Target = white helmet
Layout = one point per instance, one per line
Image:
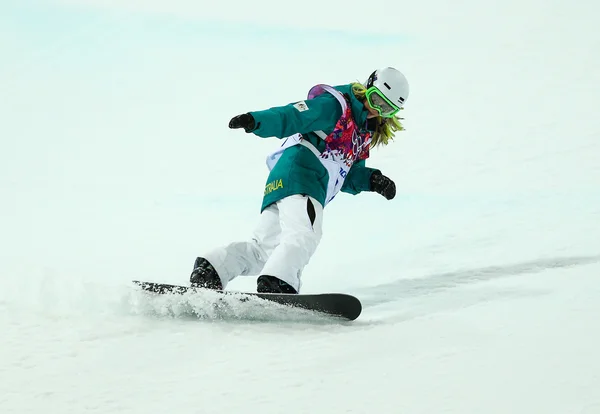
(392, 83)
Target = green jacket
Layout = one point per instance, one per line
(298, 171)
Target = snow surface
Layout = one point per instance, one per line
(480, 281)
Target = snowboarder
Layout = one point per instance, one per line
(327, 140)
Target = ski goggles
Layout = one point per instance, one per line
(380, 103)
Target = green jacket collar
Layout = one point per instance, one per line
(359, 112)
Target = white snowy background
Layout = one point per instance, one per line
(480, 280)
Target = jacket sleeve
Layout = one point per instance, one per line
(358, 178)
(317, 114)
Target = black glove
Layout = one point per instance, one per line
(383, 185)
(245, 121)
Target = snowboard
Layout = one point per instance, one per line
(340, 305)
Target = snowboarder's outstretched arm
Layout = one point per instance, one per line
(358, 178)
(362, 178)
(318, 114)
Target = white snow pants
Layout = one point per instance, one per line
(286, 237)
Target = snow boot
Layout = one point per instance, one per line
(270, 284)
(204, 275)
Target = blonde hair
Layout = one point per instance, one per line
(386, 127)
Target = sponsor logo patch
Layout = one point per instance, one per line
(301, 106)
